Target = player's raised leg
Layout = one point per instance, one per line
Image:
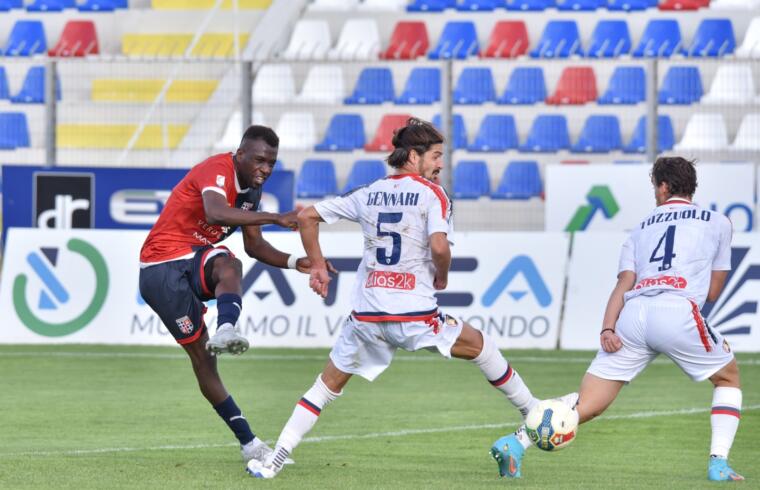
(225, 273)
(724, 419)
(326, 388)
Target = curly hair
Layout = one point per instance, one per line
(417, 135)
(679, 173)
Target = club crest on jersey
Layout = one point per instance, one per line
(220, 180)
(185, 325)
(246, 206)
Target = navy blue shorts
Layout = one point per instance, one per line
(176, 291)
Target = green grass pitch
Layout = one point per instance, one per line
(117, 417)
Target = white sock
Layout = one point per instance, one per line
(724, 419)
(304, 417)
(523, 438)
(500, 374)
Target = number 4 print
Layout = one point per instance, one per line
(667, 254)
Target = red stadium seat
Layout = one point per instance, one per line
(574, 162)
(384, 135)
(509, 39)
(577, 85)
(78, 39)
(683, 4)
(408, 41)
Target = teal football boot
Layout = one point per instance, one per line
(718, 470)
(508, 453)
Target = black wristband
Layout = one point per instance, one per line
(607, 330)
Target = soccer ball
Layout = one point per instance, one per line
(551, 425)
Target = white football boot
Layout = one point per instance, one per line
(258, 450)
(267, 469)
(571, 399)
(227, 339)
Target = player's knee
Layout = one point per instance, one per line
(727, 376)
(228, 270)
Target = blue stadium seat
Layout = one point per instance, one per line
(560, 39)
(497, 132)
(375, 86)
(579, 5)
(661, 38)
(665, 136)
(714, 37)
(548, 134)
(682, 86)
(316, 179)
(26, 39)
(6, 5)
(520, 180)
(345, 133)
(4, 91)
(610, 39)
(459, 130)
(459, 40)
(14, 132)
(46, 6)
(97, 6)
(422, 87)
(475, 86)
(478, 5)
(628, 5)
(627, 86)
(526, 86)
(529, 5)
(364, 172)
(471, 179)
(33, 89)
(600, 134)
(430, 5)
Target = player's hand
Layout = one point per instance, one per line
(288, 220)
(319, 279)
(610, 341)
(303, 264)
(440, 283)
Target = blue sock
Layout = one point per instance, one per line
(233, 417)
(228, 307)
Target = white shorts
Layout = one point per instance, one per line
(367, 349)
(667, 324)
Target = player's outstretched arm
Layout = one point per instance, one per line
(308, 226)
(609, 339)
(717, 281)
(257, 247)
(218, 212)
(441, 252)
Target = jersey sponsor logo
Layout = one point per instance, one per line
(676, 282)
(736, 307)
(600, 201)
(185, 325)
(524, 266)
(52, 293)
(391, 280)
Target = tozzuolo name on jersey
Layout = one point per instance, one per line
(667, 216)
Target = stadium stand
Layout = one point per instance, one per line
(333, 5)
(714, 37)
(665, 136)
(661, 38)
(627, 5)
(384, 134)
(750, 47)
(459, 40)
(529, 5)
(682, 85)
(408, 41)
(146, 90)
(4, 90)
(509, 39)
(732, 84)
(474, 86)
(577, 85)
(600, 134)
(359, 40)
(578, 5)
(316, 179)
(364, 172)
(627, 85)
(27, 38)
(704, 132)
(33, 89)
(748, 135)
(345, 133)
(116, 136)
(374, 86)
(274, 84)
(422, 87)
(497, 133)
(458, 130)
(548, 134)
(520, 180)
(78, 38)
(14, 131)
(610, 39)
(429, 5)
(560, 39)
(310, 40)
(471, 179)
(296, 131)
(526, 86)
(323, 85)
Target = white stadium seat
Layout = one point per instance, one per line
(750, 48)
(383, 5)
(296, 131)
(333, 5)
(704, 132)
(732, 85)
(734, 4)
(323, 85)
(274, 84)
(233, 132)
(310, 41)
(748, 136)
(359, 40)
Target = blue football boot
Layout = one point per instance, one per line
(718, 470)
(508, 453)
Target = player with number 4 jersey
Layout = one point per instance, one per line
(406, 224)
(674, 259)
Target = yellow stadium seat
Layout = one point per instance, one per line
(121, 90)
(210, 45)
(207, 4)
(116, 136)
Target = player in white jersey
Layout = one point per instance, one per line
(677, 257)
(406, 221)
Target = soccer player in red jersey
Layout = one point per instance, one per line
(180, 267)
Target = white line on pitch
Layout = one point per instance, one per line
(371, 435)
(298, 357)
